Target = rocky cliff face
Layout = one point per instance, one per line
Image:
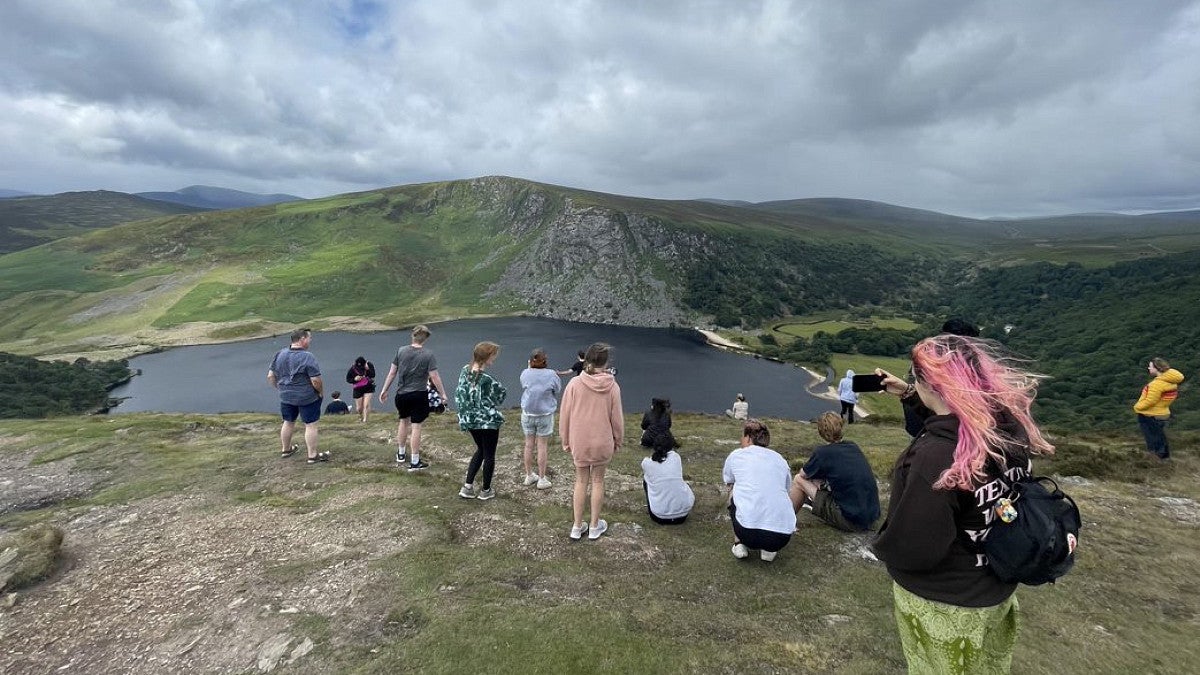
(586, 263)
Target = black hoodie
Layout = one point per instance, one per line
(932, 539)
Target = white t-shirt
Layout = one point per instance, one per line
(668, 495)
(761, 478)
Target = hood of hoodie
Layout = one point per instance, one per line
(1173, 376)
(601, 383)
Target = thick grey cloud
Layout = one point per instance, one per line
(970, 107)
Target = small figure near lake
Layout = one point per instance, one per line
(657, 421)
(575, 368)
(669, 499)
(336, 405)
(953, 613)
(1153, 407)
(740, 409)
(478, 398)
(361, 377)
(295, 373)
(592, 428)
(539, 401)
(837, 481)
(413, 368)
(847, 396)
(759, 504)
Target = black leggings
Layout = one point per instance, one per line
(485, 454)
(848, 411)
(661, 521)
(759, 540)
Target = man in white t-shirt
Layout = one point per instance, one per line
(759, 504)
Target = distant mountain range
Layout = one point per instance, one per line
(32, 220)
(216, 198)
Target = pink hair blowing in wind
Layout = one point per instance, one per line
(980, 386)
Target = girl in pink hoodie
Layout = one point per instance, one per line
(592, 427)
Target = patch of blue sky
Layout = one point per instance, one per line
(357, 19)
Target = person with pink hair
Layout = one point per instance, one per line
(953, 613)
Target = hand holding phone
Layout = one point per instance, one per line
(866, 383)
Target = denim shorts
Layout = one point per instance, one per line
(537, 425)
(308, 413)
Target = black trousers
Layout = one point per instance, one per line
(485, 455)
(848, 412)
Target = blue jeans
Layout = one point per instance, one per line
(1155, 431)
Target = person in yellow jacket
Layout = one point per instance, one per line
(1153, 408)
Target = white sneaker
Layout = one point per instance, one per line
(740, 551)
(467, 491)
(600, 528)
(577, 531)
(530, 479)
(767, 556)
(543, 483)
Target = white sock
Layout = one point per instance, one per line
(415, 458)
(400, 449)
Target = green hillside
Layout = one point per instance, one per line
(29, 221)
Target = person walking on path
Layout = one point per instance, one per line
(362, 377)
(759, 505)
(478, 398)
(539, 401)
(295, 373)
(413, 368)
(954, 615)
(592, 428)
(847, 396)
(837, 481)
(1153, 407)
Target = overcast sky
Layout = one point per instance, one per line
(1009, 107)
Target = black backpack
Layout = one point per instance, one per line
(1033, 537)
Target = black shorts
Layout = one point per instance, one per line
(414, 405)
(759, 540)
(362, 391)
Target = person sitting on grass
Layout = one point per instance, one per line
(656, 420)
(668, 498)
(759, 506)
(740, 409)
(837, 481)
(337, 406)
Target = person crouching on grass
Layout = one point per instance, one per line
(592, 427)
(478, 398)
(837, 481)
(759, 505)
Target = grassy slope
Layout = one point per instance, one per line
(497, 586)
(29, 221)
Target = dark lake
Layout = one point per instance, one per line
(650, 362)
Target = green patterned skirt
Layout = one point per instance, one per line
(938, 638)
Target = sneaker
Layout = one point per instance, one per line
(467, 491)
(486, 494)
(767, 556)
(401, 458)
(543, 483)
(530, 479)
(600, 528)
(577, 531)
(740, 551)
(420, 465)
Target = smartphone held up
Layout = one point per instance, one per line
(866, 383)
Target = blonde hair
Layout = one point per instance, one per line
(420, 333)
(829, 426)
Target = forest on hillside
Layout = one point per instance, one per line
(34, 388)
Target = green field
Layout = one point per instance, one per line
(202, 547)
(807, 327)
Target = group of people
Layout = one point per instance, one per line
(967, 406)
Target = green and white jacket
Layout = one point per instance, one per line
(478, 398)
